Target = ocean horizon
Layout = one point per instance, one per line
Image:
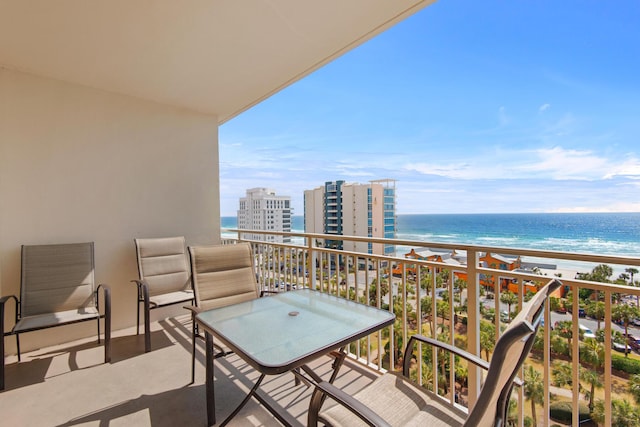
(592, 233)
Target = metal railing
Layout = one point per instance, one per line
(415, 288)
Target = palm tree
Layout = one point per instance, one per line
(425, 306)
(592, 352)
(595, 309)
(442, 307)
(625, 313)
(623, 414)
(633, 271)
(633, 387)
(487, 337)
(510, 299)
(564, 329)
(593, 379)
(533, 389)
(562, 373)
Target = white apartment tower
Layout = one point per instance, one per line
(367, 210)
(262, 210)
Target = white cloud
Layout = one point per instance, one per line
(544, 107)
(630, 169)
(559, 163)
(461, 170)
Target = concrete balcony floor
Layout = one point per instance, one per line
(69, 385)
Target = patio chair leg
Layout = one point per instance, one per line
(98, 321)
(17, 345)
(211, 400)
(2, 363)
(147, 322)
(2, 347)
(107, 325)
(138, 318)
(193, 349)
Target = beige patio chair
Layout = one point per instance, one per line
(57, 287)
(164, 278)
(222, 275)
(393, 400)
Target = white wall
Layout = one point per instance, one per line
(78, 164)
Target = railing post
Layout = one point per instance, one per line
(473, 324)
(311, 263)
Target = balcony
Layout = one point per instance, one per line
(69, 384)
(73, 387)
(355, 276)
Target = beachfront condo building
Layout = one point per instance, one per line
(340, 208)
(262, 209)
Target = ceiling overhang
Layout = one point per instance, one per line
(217, 57)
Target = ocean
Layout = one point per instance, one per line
(593, 233)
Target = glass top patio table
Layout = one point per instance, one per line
(277, 333)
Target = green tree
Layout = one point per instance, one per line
(373, 293)
(623, 414)
(592, 352)
(533, 389)
(564, 329)
(554, 304)
(601, 273)
(625, 313)
(426, 304)
(595, 309)
(592, 378)
(562, 373)
(487, 337)
(633, 387)
(510, 299)
(442, 307)
(631, 271)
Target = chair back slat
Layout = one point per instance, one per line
(162, 263)
(57, 278)
(510, 352)
(223, 274)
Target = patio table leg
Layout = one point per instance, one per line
(211, 399)
(253, 393)
(337, 363)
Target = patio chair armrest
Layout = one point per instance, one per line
(349, 402)
(193, 309)
(448, 347)
(143, 290)
(106, 291)
(3, 300)
(141, 283)
(264, 291)
(7, 298)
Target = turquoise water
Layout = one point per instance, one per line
(599, 233)
(590, 233)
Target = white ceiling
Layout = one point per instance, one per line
(213, 56)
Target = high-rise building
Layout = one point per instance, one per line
(262, 210)
(366, 210)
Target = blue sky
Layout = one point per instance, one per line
(473, 107)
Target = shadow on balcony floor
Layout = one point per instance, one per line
(68, 385)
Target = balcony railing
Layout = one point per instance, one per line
(418, 291)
